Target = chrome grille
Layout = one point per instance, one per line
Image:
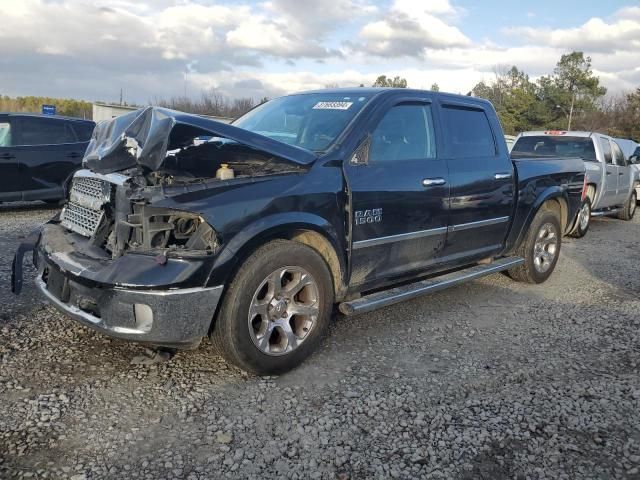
(84, 210)
(84, 221)
(93, 187)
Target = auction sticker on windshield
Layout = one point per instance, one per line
(332, 105)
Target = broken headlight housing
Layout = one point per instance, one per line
(156, 228)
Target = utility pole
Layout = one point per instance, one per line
(120, 95)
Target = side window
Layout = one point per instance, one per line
(619, 156)
(5, 134)
(606, 150)
(83, 130)
(404, 133)
(469, 132)
(44, 131)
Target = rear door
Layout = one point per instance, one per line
(624, 174)
(610, 187)
(482, 182)
(48, 152)
(9, 188)
(399, 194)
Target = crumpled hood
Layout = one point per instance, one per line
(144, 136)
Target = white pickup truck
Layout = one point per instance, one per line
(611, 179)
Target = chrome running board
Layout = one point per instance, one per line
(413, 290)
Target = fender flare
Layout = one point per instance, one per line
(259, 232)
(555, 192)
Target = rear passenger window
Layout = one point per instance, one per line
(45, 131)
(469, 132)
(404, 133)
(5, 134)
(606, 150)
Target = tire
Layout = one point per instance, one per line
(543, 237)
(629, 208)
(583, 221)
(262, 343)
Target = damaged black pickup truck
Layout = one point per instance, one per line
(359, 198)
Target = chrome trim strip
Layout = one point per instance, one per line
(481, 223)
(402, 236)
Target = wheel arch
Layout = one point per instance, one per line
(553, 197)
(308, 229)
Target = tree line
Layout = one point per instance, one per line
(31, 104)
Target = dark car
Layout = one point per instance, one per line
(39, 153)
(362, 198)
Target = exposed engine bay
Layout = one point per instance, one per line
(139, 159)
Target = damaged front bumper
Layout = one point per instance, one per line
(135, 297)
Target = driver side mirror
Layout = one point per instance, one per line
(634, 159)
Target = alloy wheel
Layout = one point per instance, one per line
(284, 310)
(545, 247)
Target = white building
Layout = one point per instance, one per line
(105, 111)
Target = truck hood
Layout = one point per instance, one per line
(144, 136)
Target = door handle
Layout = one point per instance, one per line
(620, 173)
(502, 176)
(7, 156)
(432, 182)
(74, 155)
(608, 173)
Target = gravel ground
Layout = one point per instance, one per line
(491, 380)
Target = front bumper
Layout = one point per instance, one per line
(154, 313)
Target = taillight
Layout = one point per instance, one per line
(584, 188)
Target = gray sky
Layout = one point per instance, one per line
(89, 50)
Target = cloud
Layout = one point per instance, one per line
(596, 35)
(411, 28)
(248, 48)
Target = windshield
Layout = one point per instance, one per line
(554, 146)
(312, 121)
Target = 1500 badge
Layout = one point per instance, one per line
(368, 216)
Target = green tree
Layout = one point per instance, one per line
(572, 89)
(514, 97)
(395, 82)
(435, 87)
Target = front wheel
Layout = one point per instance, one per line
(540, 248)
(584, 220)
(629, 208)
(276, 309)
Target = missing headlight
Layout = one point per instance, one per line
(160, 228)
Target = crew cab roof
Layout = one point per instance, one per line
(39, 115)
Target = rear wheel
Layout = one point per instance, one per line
(629, 208)
(276, 309)
(583, 221)
(540, 248)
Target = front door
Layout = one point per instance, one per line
(482, 183)
(399, 196)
